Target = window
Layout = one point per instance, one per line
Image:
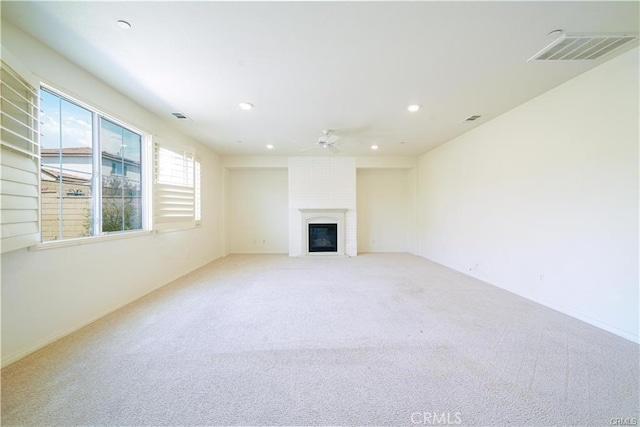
(19, 162)
(69, 171)
(91, 171)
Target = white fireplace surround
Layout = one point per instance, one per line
(322, 216)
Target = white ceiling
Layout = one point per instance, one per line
(306, 66)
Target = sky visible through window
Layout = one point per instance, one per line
(117, 140)
(75, 123)
(64, 124)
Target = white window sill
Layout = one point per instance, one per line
(87, 240)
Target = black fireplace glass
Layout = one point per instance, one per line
(323, 237)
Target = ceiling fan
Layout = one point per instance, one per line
(328, 141)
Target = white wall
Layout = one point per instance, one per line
(322, 183)
(385, 210)
(258, 211)
(263, 162)
(543, 200)
(49, 293)
(243, 222)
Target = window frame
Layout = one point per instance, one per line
(146, 169)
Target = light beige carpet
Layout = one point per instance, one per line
(374, 340)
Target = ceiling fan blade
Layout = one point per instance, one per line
(333, 149)
(332, 139)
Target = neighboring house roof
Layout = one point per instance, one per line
(77, 151)
(83, 152)
(53, 175)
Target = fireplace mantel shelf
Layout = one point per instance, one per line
(323, 210)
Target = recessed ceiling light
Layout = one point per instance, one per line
(246, 106)
(269, 146)
(124, 25)
(374, 147)
(413, 108)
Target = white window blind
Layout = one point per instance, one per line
(174, 192)
(19, 180)
(198, 201)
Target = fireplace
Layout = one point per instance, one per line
(322, 232)
(323, 237)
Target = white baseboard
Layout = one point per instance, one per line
(557, 307)
(6, 361)
(12, 358)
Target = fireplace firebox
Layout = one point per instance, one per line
(323, 237)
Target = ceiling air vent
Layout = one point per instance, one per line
(582, 47)
(180, 116)
(471, 119)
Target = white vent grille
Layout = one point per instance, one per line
(472, 118)
(582, 47)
